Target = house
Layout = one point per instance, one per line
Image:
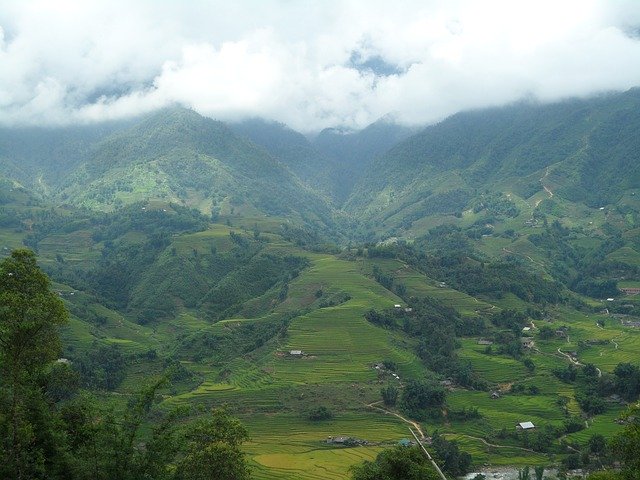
(495, 395)
(527, 342)
(525, 426)
(526, 329)
(631, 291)
(397, 305)
(338, 440)
(296, 353)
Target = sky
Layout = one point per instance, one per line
(308, 64)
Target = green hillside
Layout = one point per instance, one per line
(576, 149)
(474, 271)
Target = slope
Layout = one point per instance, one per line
(177, 155)
(577, 149)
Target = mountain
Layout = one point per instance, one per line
(40, 157)
(296, 152)
(582, 151)
(354, 151)
(172, 155)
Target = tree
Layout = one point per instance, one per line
(212, 449)
(320, 413)
(626, 445)
(400, 463)
(30, 314)
(419, 396)
(389, 395)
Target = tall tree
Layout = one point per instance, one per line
(30, 314)
(212, 449)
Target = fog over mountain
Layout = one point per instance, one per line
(310, 65)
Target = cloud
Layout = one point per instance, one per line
(308, 64)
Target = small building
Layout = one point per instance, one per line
(525, 426)
(561, 333)
(405, 442)
(630, 291)
(397, 305)
(484, 341)
(527, 342)
(495, 395)
(526, 329)
(408, 310)
(295, 353)
(610, 299)
(338, 440)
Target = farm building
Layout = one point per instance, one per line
(525, 426)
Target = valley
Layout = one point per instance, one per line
(482, 256)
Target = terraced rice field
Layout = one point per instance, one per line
(507, 411)
(494, 368)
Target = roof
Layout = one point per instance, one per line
(295, 352)
(526, 425)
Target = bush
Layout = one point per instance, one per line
(320, 413)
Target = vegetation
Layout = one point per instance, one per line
(53, 430)
(221, 272)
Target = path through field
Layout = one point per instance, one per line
(576, 362)
(415, 425)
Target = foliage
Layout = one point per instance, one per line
(421, 397)
(389, 395)
(29, 316)
(320, 413)
(400, 463)
(451, 458)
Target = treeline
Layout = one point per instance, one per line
(592, 389)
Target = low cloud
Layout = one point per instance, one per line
(308, 64)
